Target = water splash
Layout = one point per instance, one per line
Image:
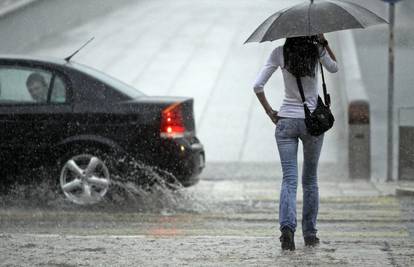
(138, 187)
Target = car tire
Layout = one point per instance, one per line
(125, 174)
(84, 174)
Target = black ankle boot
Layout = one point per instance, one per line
(311, 241)
(287, 239)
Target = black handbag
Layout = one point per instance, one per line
(321, 119)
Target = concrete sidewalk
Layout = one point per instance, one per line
(220, 223)
(269, 189)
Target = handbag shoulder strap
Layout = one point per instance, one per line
(302, 95)
(326, 96)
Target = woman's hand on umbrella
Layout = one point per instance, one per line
(273, 115)
(322, 40)
(321, 37)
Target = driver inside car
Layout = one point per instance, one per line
(37, 87)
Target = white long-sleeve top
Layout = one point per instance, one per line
(292, 105)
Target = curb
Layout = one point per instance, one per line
(14, 7)
(407, 191)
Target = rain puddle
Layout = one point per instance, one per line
(140, 188)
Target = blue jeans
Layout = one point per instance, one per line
(288, 133)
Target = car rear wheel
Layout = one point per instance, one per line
(89, 175)
(85, 178)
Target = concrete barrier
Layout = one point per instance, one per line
(405, 143)
(356, 104)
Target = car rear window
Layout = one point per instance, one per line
(112, 82)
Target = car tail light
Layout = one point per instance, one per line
(172, 124)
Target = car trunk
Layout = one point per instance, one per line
(152, 108)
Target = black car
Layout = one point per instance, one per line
(63, 115)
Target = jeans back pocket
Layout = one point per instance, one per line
(285, 127)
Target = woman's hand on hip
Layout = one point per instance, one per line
(270, 112)
(273, 115)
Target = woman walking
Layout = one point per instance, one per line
(298, 57)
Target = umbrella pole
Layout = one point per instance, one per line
(390, 148)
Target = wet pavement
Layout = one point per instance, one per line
(215, 223)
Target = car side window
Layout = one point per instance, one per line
(23, 84)
(58, 94)
(30, 85)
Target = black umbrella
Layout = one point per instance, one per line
(314, 17)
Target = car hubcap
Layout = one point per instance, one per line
(84, 179)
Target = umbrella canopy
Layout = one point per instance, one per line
(314, 17)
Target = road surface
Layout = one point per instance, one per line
(215, 223)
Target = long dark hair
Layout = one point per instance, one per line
(301, 55)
